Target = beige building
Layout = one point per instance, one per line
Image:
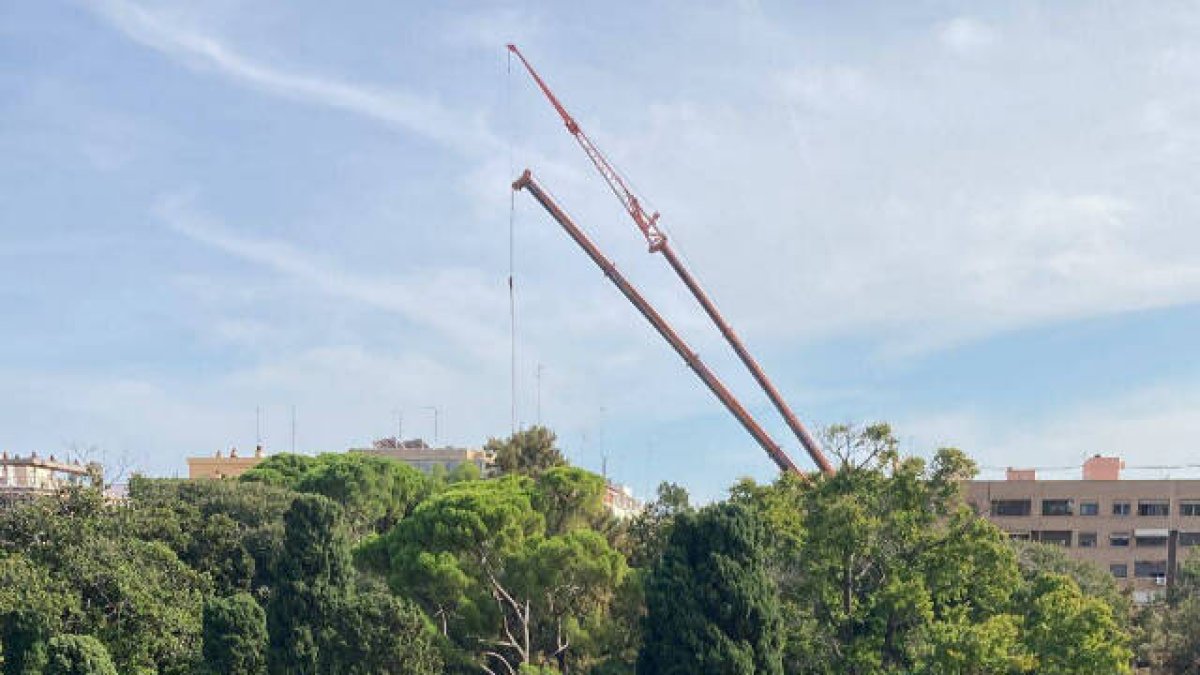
(1138, 530)
(223, 466)
(31, 476)
(419, 455)
(619, 500)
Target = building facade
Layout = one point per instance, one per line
(1137, 530)
(619, 501)
(223, 466)
(32, 476)
(419, 455)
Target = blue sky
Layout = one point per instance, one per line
(977, 223)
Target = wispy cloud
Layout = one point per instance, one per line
(964, 35)
(1155, 425)
(407, 111)
(455, 302)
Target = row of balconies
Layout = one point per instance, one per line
(1156, 508)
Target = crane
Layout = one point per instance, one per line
(714, 384)
(658, 243)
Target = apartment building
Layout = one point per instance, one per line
(619, 500)
(420, 455)
(1138, 530)
(220, 465)
(33, 476)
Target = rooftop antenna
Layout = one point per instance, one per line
(258, 425)
(539, 393)
(399, 426)
(436, 413)
(293, 428)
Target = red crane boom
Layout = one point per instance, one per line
(526, 182)
(657, 240)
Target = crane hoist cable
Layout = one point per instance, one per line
(657, 240)
(526, 182)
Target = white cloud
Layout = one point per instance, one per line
(877, 191)
(823, 89)
(458, 303)
(1154, 425)
(411, 112)
(965, 35)
(491, 29)
(344, 395)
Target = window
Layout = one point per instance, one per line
(1055, 537)
(1189, 508)
(1154, 541)
(1189, 538)
(1089, 508)
(1087, 540)
(1118, 539)
(1149, 569)
(1119, 570)
(1018, 536)
(1154, 507)
(1011, 507)
(1120, 508)
(1057, 507)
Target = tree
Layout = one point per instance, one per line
(1071, 633)
(32, 609)
(134, 595)
(312, 574)
(319, 622)
(1037, 559)
(235, 635)
(78, 655)
(374, 492)
(446, 553)
(1168, 629)
(882, 568)
(478, 559)
(649, 530)
(229, 530)
(569, 498)
(710, 604)
(564, 580)
(280, 470)
(529, 451)
(379, 633)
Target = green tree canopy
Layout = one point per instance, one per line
(229, 530)
(710, 605)
(88, 549)
(529, 451)
(479, 559)
(235, 636)
(32, 609)
(1071, 633)
(374, 492)
(78, 655)
(569, 498)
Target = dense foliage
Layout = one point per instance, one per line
(348, 563)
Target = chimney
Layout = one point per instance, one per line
(1020, 474)
(1102, 468)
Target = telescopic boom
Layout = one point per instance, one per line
(526, 182)
(657, 240)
